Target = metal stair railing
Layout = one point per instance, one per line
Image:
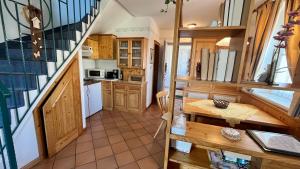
(23, 78)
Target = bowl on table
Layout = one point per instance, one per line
(222, 104)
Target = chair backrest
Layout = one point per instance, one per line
(162, 100)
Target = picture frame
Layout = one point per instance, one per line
(151, 55)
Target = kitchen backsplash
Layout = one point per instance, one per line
(88, 64)
(108, 65)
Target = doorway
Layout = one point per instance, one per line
(155, 70)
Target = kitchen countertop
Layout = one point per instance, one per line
(92, 81)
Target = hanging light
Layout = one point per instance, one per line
(225, 42)
(191, 25)
(167, 2)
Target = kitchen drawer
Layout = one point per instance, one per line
(119, 86)
(134, 87)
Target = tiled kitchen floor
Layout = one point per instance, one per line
(114, 140)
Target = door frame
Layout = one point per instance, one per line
(156, 59)
(38, 114)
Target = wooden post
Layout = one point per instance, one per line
(173, 77)
(243, 55)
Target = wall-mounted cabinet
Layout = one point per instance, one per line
(107, 46)
(91, 42)
(104, 46)
(132, 52)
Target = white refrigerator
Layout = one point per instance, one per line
(93, 98)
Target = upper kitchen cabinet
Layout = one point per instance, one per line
(132, 52)
(107, 46)
(93, 43)
(104, 46)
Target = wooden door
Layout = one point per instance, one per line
(62, 112)
(133, 100)
(120, 97)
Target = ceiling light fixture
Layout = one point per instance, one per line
(191, 25)
(225, 42)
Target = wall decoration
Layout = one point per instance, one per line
(151, 56)
(33, 16)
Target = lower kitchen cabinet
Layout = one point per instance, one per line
(129, 97)
(134, 101)
(107, 95)
(119, 97)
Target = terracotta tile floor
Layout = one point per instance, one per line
(114, 140)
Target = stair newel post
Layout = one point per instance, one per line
(4, 113)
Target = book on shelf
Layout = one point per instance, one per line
(211, 64)
(296, 113)
(230, 15)
(230, 65)
(237, 12)
(216, 66)
(221, 12)
(222, 64)
(233, 12)
(226, 12)
(204, 63)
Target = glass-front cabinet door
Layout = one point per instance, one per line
(136, 53)
(123, 53)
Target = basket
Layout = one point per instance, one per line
(222, 104)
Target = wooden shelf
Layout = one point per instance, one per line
(282, 86)
(193, 80)
(196, 158)
(210, 136)
(211, 32)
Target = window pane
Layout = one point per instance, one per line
(282, 74)
(280, 97)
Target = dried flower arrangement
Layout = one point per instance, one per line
(282, 37)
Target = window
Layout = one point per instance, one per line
(282, 74)
(279, 97)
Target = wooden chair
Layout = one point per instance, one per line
(162, 101)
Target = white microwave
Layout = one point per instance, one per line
(95, 73)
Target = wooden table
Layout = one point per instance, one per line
(209, 137)
(260, 117)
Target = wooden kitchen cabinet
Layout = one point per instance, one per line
(132, 52)
(107, 95)
(134, 100)
(104, 46)
(107, 46)
(120, 97)
(129, 97)
(91, 42)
